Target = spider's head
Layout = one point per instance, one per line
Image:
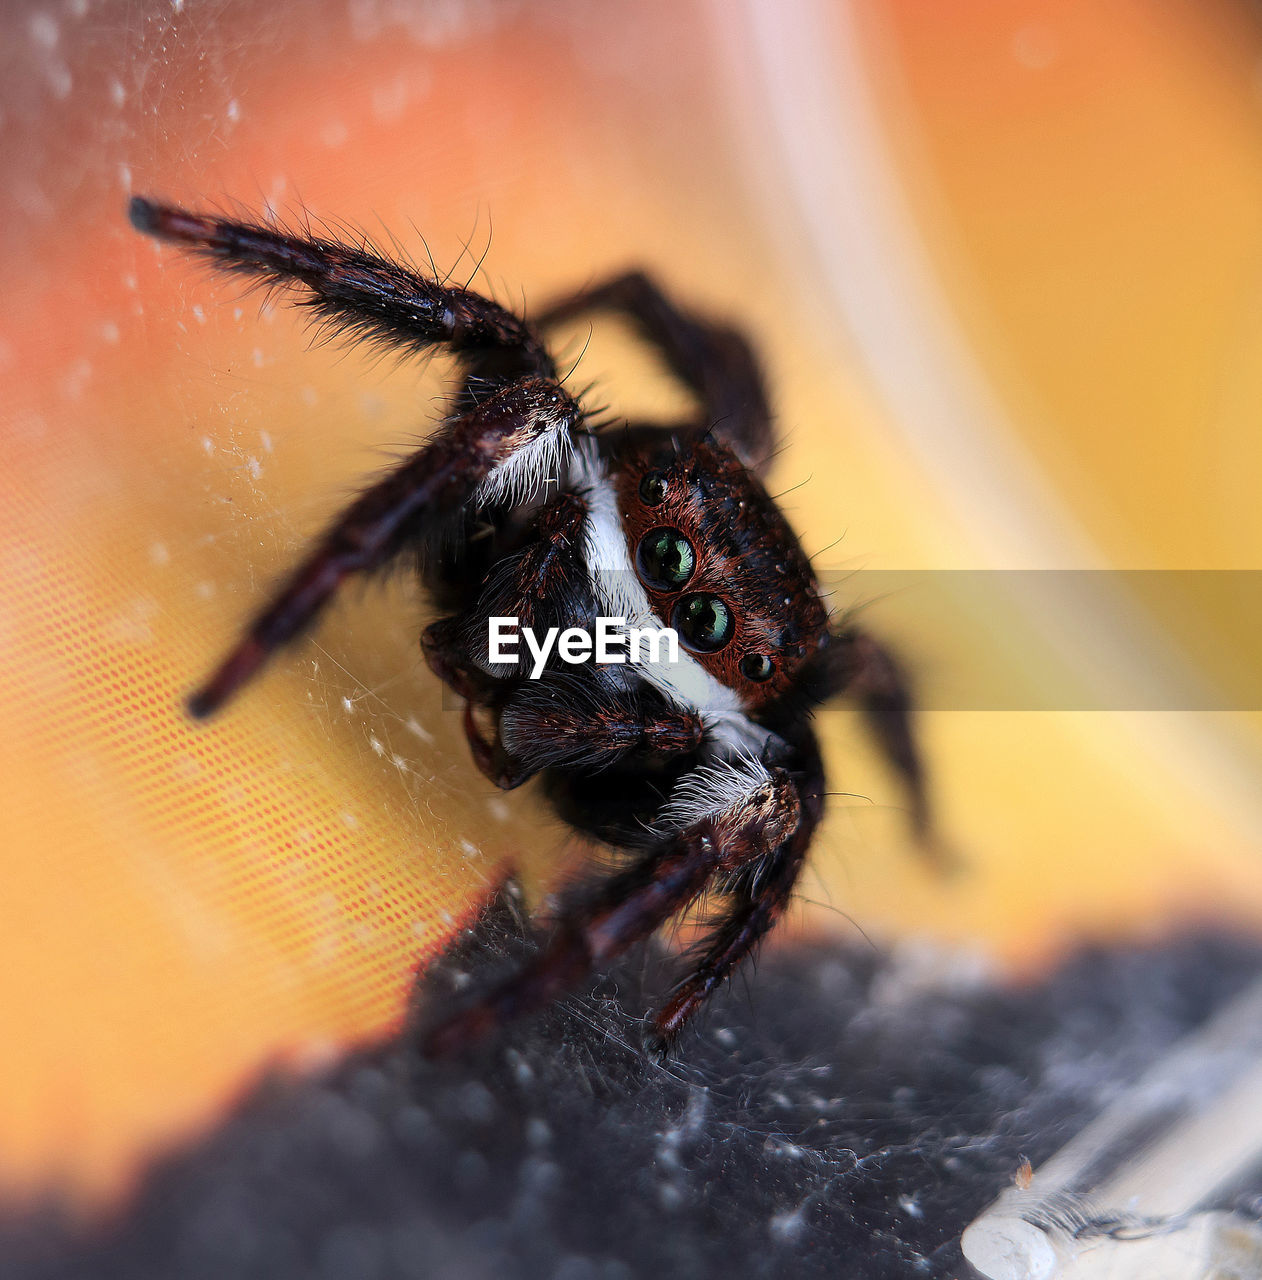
(721, 565)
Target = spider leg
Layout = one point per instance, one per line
(752, 913)
(546, 584)
(718, 819)
(444, 650)
(359, 289)
(571, 722)
(759, 895)
(715, 361)
(867, 670)
(515, 727)
(543, 584)
(467, 460)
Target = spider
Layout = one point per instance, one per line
(703, 772)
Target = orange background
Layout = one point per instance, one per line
(1003, 261)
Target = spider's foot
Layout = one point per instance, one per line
(235, 670)
(168, 223)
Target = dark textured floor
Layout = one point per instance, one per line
(840, 1114)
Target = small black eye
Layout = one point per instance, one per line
(665, 559)
(653, 488)
(757, 666)
(704, 622)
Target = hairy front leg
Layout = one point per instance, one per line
(438, 480)
(357, 289)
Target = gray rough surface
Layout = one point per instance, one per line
(842, 1113)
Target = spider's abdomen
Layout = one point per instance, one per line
(720, 564)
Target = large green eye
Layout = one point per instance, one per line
(665, 559)
(704, 622)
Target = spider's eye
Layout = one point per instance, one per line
(757, 666)
(704, 622)
(653, 488)
(665, 559)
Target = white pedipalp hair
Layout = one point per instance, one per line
(526, 472)
(713, 789)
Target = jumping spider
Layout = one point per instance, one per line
(704, 772)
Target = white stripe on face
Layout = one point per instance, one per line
(620, 594)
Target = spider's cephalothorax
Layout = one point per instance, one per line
(703, 770)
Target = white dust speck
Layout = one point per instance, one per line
(44, 30)
(130, 282)
(124, 181)
(910, 1205)
(76, 380)
(350, 820)
(177, 6)
(787, 1225)
(159, 555)
(470, 849)
(254, 467)
(208, 446)
(389, 100)
(783, 1148)
(238, 312)
(418, 929)
(335, 134)
(1035, 47)
(413, 726)
(232, 112)
(371, 405)
(347, 705)
(265, 439)
(199, 313)
(498, 810)
(187, 767)
(118, 95)
(60, 81)
(257, 356)
(110, 333)
(376, 744)
(399, 763)
(670, 1196)
(131, 625)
